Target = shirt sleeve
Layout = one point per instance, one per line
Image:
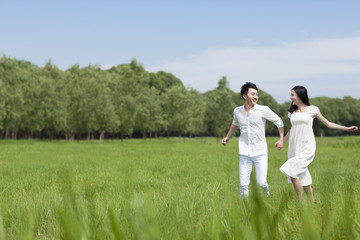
(313, 110)
(273, 117)
(235, 119)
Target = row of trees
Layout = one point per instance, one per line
(127, 101)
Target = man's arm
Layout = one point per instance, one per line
(274, 118)
(226, 139)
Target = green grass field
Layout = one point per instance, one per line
(167, 189)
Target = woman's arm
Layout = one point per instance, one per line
(279, 144)
(286, 138)
(334, 125)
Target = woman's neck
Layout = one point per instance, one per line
(302, 107)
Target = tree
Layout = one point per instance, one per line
(52, 96)
(76, 101)
(100, 108)
(148, 112)
(30, 121)
(176, 114)
(219, 109)
(128, 82)
(197, 108)
(12, 78)
(164, 80)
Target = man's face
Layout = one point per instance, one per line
(251, 97)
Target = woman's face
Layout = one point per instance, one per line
(294, 98)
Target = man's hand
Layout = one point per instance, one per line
(225, 140)
(279, 144)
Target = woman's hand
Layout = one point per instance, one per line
(352, 129)
(279, 144)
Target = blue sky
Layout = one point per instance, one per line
(275, 44)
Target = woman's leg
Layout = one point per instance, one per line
(297, 187)
(309, 192)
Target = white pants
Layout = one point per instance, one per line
(245, 168)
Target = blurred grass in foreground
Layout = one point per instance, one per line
(166, 189)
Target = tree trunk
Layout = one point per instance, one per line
(51, 135)
(322, 134)
(144, 136)
(101, 138)
(156, 135)
(88, 135)
(7, 133)
(14, 134)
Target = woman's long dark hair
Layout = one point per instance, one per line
(301, 92)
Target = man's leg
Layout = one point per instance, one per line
(245, 167)
(261, 166)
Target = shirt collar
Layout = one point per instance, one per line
(254, 107)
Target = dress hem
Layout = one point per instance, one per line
(289, 180)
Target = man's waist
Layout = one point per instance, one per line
(249, 153)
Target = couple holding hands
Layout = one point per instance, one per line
(251, 119)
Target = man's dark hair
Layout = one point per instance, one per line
(245, 88)
(301, 92)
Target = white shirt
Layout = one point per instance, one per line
(252, 141)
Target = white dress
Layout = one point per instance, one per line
(302, 146)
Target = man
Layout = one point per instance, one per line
(251, 119)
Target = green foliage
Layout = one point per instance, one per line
(219, 109)
(196, 113)
(149, 116)
(163, 80)
(127, 101)
(176, 105)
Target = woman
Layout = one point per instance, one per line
(301, 149)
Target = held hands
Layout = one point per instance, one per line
(279, 145)
(352, 129)
(224, 141)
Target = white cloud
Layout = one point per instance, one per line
(276, 69)
(106, 66)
